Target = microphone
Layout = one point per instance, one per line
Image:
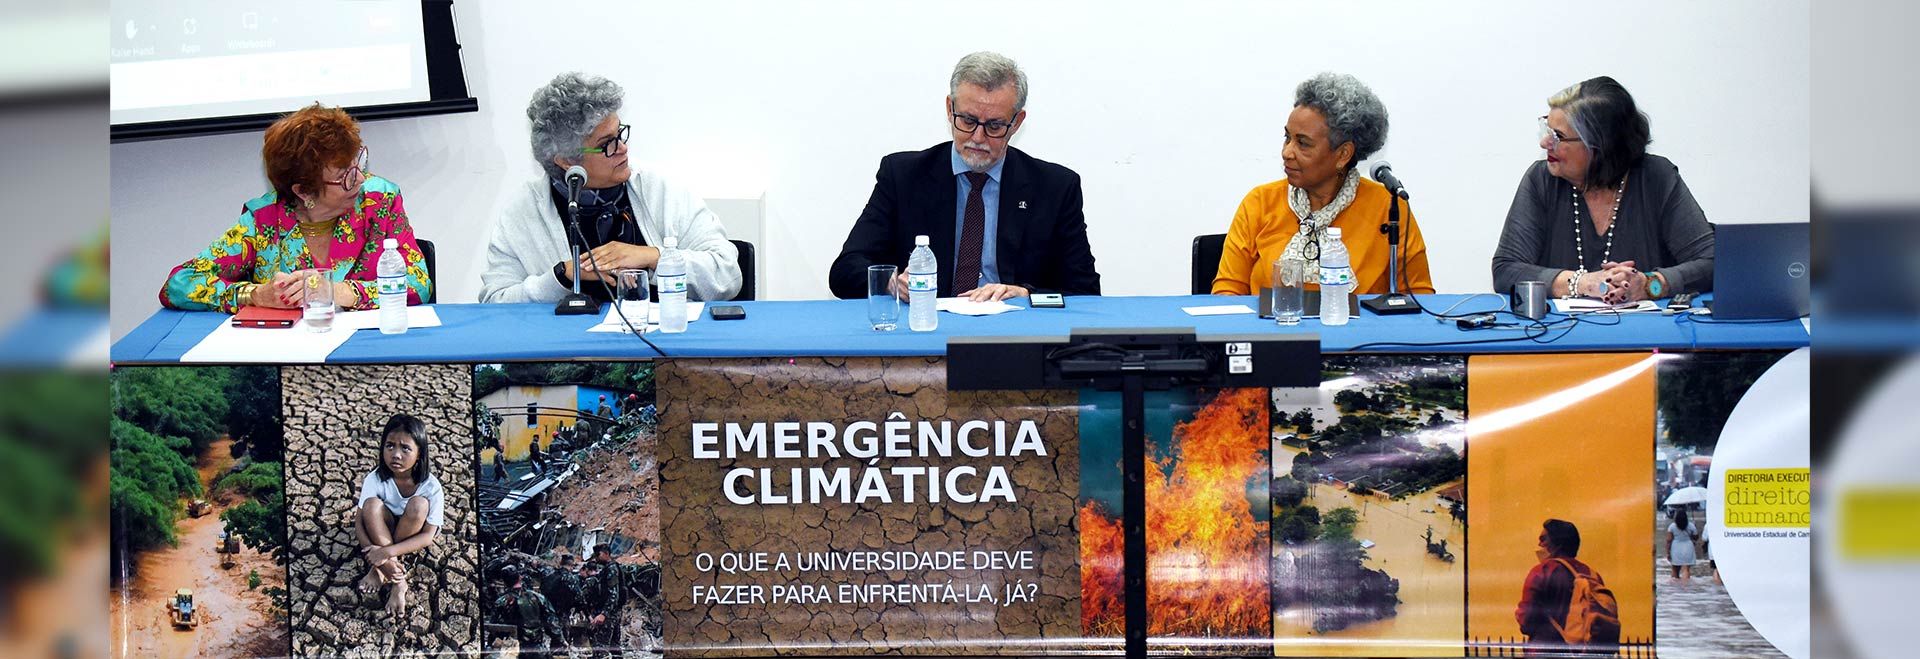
(577, 178)
(1393, 302)
(1383, 172)
(576, 303)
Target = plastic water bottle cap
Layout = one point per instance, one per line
(390, 243)
(920, 241)
(670, 242)
(1333, 232)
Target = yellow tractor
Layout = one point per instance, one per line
(180, 610)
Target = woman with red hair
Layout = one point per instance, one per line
(325, 215)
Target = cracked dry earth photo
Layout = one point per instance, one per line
(334, 415)
(865, 562)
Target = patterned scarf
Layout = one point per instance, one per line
(1313, 224)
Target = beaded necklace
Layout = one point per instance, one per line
(1579, 243)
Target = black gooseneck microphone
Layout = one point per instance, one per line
(1393, 302)
(575, 303)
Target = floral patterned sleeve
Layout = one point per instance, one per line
(390, 221)
(211, 280)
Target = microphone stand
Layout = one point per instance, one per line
(577, 239)
(575, 303)
(1393, 302)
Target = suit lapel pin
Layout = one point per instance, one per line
(1023, 205)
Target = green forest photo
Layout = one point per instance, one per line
(198, 512)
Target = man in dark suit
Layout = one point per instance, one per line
(1001, 223)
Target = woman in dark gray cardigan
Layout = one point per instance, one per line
(1600, 217)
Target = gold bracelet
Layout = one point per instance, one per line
(244, 294)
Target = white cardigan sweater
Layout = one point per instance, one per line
(530, 238)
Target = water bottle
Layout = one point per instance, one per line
(923, 280)
(671, 278)
(1336, 279)
(392, 274)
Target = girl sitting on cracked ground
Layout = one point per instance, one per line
(400, 509)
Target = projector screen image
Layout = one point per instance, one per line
(178, 61)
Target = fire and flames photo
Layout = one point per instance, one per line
(1369, 509)
(1207, 521)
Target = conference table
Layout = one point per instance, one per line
(839, 328)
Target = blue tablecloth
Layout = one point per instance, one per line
(523, 332)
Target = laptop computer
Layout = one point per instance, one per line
(1760, 271)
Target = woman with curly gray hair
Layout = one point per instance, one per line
(1336, 122)
(626, 214)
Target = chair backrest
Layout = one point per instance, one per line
(1206, 260)
(426, 258)
(746, 269)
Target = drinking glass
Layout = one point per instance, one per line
(630, 292)
(317, 307)
(1289, 291)
(883, 309)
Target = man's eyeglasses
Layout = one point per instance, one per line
(352, 176)
(1553, 137)
(967, 124)
(613, 142)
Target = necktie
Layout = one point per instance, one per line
(973, 233)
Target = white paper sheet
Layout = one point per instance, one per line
(286, 345)
(966, 307)
(417, 317)
(611, 322)
(1217, 310)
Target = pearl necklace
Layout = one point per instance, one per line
(1579, 244)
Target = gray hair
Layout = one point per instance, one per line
(990, 71)
(563, 113)
(1353, 113)
(1607, 121)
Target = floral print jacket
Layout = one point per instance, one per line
(266, 240)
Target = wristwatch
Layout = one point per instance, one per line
(1654, 287)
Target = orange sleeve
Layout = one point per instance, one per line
(1414, 254)
(1235, 274)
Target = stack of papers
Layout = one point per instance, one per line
(966, 307)
(293, 345)
(1589, 305)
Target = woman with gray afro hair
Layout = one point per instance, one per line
(1336, 122)
(626, 215)
(564, 112)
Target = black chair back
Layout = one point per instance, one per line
(426, 259)
(746, 269)
(1206, 260)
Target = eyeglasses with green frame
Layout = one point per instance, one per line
(967, 123)
(612, 144)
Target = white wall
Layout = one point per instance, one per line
(1169, 111)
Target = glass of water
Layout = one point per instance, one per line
(883, 308)
(317, 308)
(1289, 290)
(630, 288)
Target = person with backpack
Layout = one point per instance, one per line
(1565, 606)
